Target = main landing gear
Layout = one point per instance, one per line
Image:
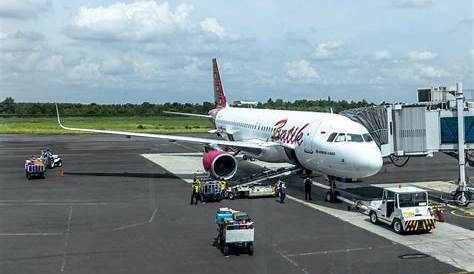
(332, 194)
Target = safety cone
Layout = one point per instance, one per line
(61, 171)
(440, 214)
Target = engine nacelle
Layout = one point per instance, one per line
(219, 164)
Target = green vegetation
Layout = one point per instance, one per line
(35, 125)
(40, 118)
(9, 107)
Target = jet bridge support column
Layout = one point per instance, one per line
(461, 197)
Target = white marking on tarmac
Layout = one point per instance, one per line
(180, 164)
(32, 234)
(346, 250)
(292, 262)
(153, 215)
(443, 243)
(66, 240)
(130, 225)
(440, 186)
(54, 204)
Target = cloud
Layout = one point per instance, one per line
(382, 55)
(421, 55)
(116, 66)
(211, 25)
(19, 41)
(430, 72)
(23, 9)
(327, 50)
(138, 21)
(412, 4)
(301, 69)
(472, 53)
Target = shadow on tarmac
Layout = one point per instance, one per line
(166, 175)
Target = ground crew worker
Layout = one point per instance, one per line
(282, 190)
(307, 188)
(222, 186)
(196, 191)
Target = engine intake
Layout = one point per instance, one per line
(219, 164)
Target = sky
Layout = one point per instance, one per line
(107, 51)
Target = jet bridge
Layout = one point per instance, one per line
(432, 125)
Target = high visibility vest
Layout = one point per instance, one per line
(196, 187)
(222, 185)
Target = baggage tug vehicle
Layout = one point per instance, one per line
(406, 209)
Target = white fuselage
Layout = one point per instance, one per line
(324, 142)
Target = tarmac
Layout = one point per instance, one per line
(116, 211)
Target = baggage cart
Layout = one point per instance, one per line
(236, 231)
(34, 168)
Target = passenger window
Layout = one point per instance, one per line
(340, 138)
(332, 136)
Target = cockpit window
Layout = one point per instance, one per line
(340, 138)
(355, 138)
(367, 137)
(332, 136)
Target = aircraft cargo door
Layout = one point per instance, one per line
(309, 137)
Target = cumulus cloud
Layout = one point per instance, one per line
(412, 4)
(138, 21)
(382, 55)
(212, 26)
(301, 69)
(327, 50)
(23, 9)
(421, 55)
(430, 72)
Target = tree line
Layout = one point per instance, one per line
(8, 107)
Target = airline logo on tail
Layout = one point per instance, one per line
(219, 95)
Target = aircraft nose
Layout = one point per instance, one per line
(370, 162)
(373, 162)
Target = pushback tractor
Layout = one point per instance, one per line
(405, 209)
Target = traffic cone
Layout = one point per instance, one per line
(61, 171)
(441, 216)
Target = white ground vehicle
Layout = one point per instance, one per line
(252, 191)
(404, 208)
(51, 160)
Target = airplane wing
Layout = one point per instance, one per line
(235, 144)
(188, 114)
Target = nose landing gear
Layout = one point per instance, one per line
(332, 194)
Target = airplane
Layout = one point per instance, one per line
(328, 143)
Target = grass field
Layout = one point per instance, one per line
(135, 124)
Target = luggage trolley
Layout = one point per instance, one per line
(235, 230)
(34, 168)
(210, 191)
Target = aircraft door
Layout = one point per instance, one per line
(308, 141)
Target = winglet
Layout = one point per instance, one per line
(57, 113)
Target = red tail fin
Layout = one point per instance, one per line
(219, 96)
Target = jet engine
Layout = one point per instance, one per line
(219, 164)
